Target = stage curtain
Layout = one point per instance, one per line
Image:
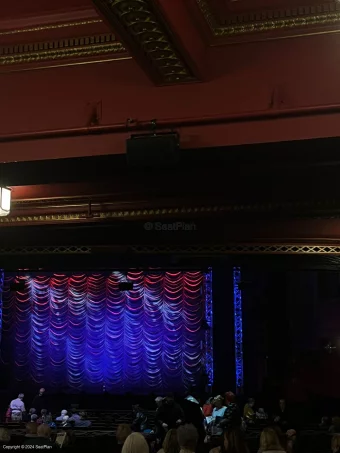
(81, 333)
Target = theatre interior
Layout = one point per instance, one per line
(170, 218)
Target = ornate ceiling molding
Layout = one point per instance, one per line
(324, 14)
(59, 26)
(141, 28)
(90, 46)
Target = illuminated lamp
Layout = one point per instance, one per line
(5, 201)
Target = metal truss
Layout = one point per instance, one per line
(247, 249)
(52, 250)
(209, 356)
(238, 330)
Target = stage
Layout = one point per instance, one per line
(138, 332)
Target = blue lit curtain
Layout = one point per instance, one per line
(81, 333)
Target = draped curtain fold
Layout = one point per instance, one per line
(82, 333)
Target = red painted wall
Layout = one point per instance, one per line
(245, 81)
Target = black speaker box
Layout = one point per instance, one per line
(153, 151)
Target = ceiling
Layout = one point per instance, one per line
(153, 32)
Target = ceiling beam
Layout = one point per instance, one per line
(143, 30)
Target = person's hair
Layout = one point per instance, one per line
(336, 442)
(31, 428)
(236, 442)
(44, 431)
(5, 435)
(170, 444)
(123, 431)
(281, 436)
(230, 397)
(21, 396)
(43, 412)
(32, 411)
(336, 421)
(135, 443)
(34, 417)
(187, 437)
(269, 440)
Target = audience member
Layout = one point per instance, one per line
(233, 442)
(283, 438)
(39, 401)
(135, 443)
(140, 419)
(17, 408)
(43, 438)
(336, 444)
(193, 414)
(335, 427)
(214, 422)
(5, 438)
(291, 439)
(170, 414)
(79, 420)
(65, 422)
(248, 411)
(282, 415)
(269, 442)
(170, 444)
(187, 437)
(159, 401)
(8, 415)
(232, 416)
(62, 415)
(27, 417)
(31, 429)
(122, 433)
(208, 407)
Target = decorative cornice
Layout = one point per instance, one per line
(271, 20)
(144, 32)
(62, 49)
(76, 209)
(243, 249)
(59, 26)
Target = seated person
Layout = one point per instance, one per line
(248, 411)
(31, 429)
(79, 420)
(122, 433)
(213, 426)
(335, 427)
(42, 439)
(261, 415)
(232, 416)
(140, 419)
(65, 423)
(5, 438)
(208, 407)
(336, 444)
(62, 415)
(8, 415)
(27, 417)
